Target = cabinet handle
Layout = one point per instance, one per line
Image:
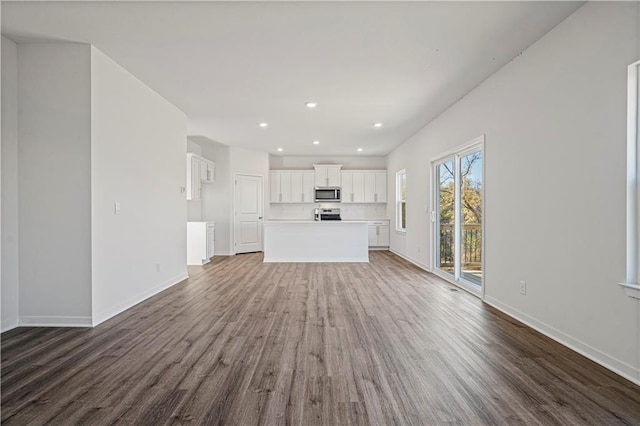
(302, 197)
(327, 181)
(352, 197)
(375, 197)
(280, 198)
(377, 230)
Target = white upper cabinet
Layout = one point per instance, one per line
(275, 196)
(199, 171)
(308, 194)
(352, 186)
(327, 175)
(381, 187)
(364, 186)
(291, 186)
(358, 186)
(375, 187)
(285, 187)
(347, 187)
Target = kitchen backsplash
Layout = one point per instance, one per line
(347, 211)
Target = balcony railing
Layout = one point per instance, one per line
(471, 250)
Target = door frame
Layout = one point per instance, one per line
(233, 211)
(473, 145)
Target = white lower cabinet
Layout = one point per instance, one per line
(211, 238)
(379, 234)
(200, 242)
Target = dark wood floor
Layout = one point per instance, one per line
(242, 342)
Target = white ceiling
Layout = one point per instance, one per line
(231, 65)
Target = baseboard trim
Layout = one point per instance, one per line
(8, 324)
(224, 253)
(38, 321)
(129, 303)
(621, 368)
(378, 248)
(408, 259)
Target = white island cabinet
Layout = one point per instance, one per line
(200, 242)
(311, 241)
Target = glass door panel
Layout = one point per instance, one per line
(445, 211)
(457, 217)
(470, 215)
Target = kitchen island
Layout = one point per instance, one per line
(316, 241)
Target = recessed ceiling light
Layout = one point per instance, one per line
(316, 142)
(263, 124)
(280, 149)
(377, 125)
(359, 149)
(311, 105)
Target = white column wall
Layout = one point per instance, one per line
(9, 184)
(54, 161)
(138, 159)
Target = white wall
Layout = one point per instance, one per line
(348, 162)
(138, 159)
(217, 197)
(555, 125)
(54, 127)
(9, 184)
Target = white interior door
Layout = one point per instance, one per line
(248, 213)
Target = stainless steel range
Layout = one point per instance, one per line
(330, 214)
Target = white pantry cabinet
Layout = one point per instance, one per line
(199, 171)
(291, 186)
(327, 175)
(379, 234)
(201, 238)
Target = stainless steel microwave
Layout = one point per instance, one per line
(327, 194)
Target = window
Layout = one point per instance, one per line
(401, 200)
(457, 216)
(632, 282)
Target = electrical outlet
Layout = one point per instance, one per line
(523, 287)
(157, 267)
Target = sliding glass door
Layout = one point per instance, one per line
(445, 259)
(458, 217)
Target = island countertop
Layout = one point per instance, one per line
(316, 241)
(272, 221)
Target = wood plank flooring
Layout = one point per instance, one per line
(247, 343)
